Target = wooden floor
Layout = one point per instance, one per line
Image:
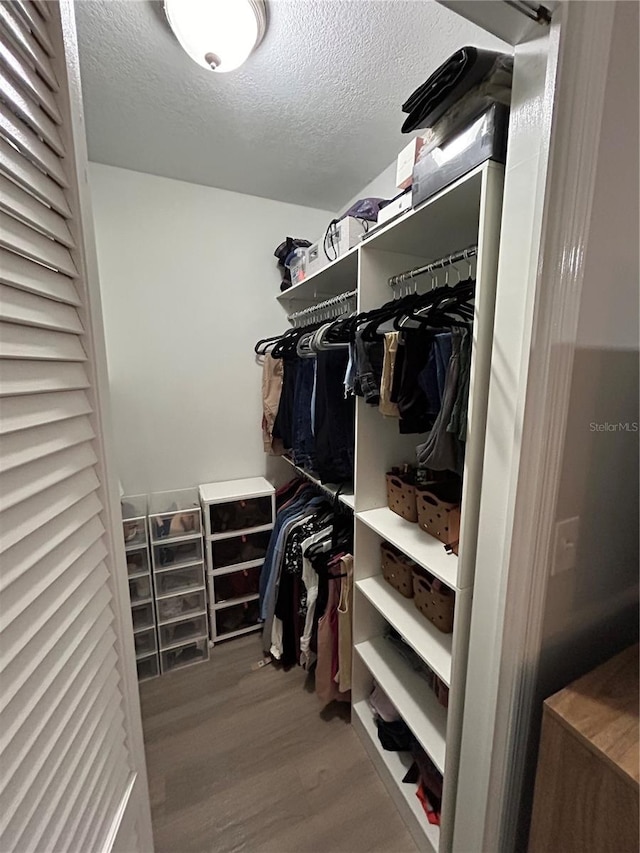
(244, 761)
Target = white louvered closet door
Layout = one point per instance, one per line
(72, 774)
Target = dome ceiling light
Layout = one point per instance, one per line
(218, 34)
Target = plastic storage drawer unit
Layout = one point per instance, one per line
(172, 556)
(179, 606)
(193, 652)
(179, 580)
(239, 549)
(237, 584)
(147, 667)
(240, 514)
(134, 520)
(138, 561)
(236, 618)
(142, 616)
(176, 633)
(174, 515)
(145, 642)
(140, 589)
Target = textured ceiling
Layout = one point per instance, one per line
(311, 117)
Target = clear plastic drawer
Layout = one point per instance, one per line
(180, 632)
(240, 514)
(194, 652)
(138, 561)
(173, 515)
(180, 554)
(179, 580)
(175, 525)
(237, 617)
(145, 641)
(142, 616)
(147, 667)
(134, 520)
(237, 584)
(179, 606)
(240, 549)
(140, 589)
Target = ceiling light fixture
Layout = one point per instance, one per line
(218, 34)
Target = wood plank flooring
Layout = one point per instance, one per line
(243, 761)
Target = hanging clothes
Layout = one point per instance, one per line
(345, 624)
(327, 666)
(443, 451)
(272, 373)
(387, 406)
(334, 419)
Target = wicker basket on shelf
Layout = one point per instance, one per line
(434, 600)
(438, 507)
(401, 494)
(397, 569)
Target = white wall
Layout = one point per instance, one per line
(382, 186)
(188, 283)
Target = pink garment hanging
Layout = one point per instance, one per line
(327, 665)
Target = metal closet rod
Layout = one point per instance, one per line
(441, 263)
(328, 303)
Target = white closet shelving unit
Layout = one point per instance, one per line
(143, 614)
(464, 214)
(238, 520)
(175, 533)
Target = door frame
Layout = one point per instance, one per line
(519, 502)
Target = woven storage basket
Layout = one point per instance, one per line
(439, 512)
(401, 497)
(397, 569)
(434, 600)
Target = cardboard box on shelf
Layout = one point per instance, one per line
(406, 161)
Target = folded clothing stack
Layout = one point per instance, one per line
(458, 92)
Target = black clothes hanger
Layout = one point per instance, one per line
(262, 347)
(447, 306)
(374, 318)
(289, 341)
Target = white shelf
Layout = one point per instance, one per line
(439, 225)
(347, 498)
(245, 531)
(414, 542)
(232, 490)
(336, 277)
(415, 700)
(392, 767)
(432, 645)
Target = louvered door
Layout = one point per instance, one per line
(71, 761)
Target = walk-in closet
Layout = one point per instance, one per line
(304, 371)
